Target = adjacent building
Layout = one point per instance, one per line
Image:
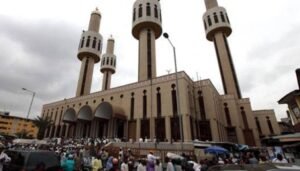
(292, 99)
(148, 108)
(11, 125)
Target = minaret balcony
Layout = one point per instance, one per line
(215, 20)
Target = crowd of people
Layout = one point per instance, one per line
(92, 155)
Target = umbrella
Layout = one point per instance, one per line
(215, 150)
(174, 156)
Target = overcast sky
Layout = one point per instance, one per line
(39, 40)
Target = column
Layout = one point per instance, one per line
(214, 130)
(66, 131)
(186, 128)
(152, 128)
(168, 128)
(138, 129)
(55, 130)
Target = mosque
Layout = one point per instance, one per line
(169, 108)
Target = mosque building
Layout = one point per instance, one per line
(150, 107)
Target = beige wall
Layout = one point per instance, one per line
(11, 125)
(262, 118)
(189, 103)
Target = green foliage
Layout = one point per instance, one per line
(42, 124)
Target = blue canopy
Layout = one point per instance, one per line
(216, 150)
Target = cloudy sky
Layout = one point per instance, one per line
(39, 39)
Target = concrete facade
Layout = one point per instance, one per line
(148, 108)
(11, 125)
(292, 99)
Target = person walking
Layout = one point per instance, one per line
(279, 159)
(142, 165)
(4, 158)
(115, 163)
(96, 163)
(69, 163)
(170, 166)
(124, 165)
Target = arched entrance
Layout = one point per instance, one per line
(110, 121)
(83, 127)
(69, 117)
(103, 114)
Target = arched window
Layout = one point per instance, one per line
(222, 16)
(158, 101)
(132, 106)
(216, 18)
(244, 117)
(145, 104)
(149, 55)
(270, 125)
(107, 61)
(227, 114)
(209, 20)
(84, 76)
(140, 11)
(133, 15)
(82, 42)
(99, 45)
(88, 41)
(205, 26)
(201, 106)
(258, 126)
(174, 100)
(148, 9)
(94, 43)
(160, 15)
(111, 61)
(227, 18)
(155, 11)
(103, 61)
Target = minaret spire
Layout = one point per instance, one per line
(146, 28)
(89, 52)
(211, 3)
(108, 64)
(217, 28)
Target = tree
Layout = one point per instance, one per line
(42, 124)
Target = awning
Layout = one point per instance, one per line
(85, 113)
(69, 115)
(106, 111)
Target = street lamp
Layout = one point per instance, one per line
(33, 94)
(177, 91)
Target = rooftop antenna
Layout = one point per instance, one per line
(168, 71)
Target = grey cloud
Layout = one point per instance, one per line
(38, 55)
(273, 61)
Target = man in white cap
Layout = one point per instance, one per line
(3, 157)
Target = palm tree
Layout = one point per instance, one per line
(42, 124)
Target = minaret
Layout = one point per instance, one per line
(217, 27)
(146, 27)
(89, 52)
(108, 64)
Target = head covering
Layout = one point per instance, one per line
(2, 146)
(115, 161)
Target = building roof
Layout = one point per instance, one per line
(288, 137)
(289, 97)
(15, 117)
